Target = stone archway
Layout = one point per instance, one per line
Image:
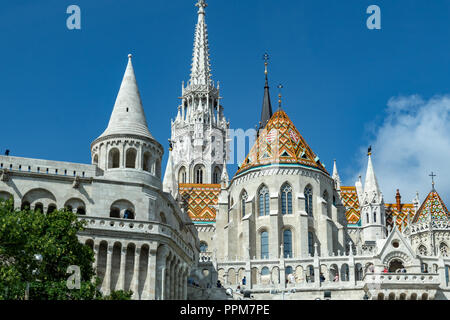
(395, 265)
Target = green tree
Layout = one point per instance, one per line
(25, 233)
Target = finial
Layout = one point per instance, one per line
(369, 151)
(130, 56)
(280, 86)
(266, 62)
(432, 175)
(201, 4)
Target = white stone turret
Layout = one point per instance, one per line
(126, 149)
(200, 128)
(373, 219)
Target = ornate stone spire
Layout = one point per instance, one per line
(266, 112)
(336, 178)
(371, 184)
(201, 71)
(128, 115)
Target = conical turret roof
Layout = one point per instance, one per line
(280, 143)
(128, 115)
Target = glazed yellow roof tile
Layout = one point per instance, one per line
(350, 200)
(280, 142)
(407, 209)
(199, 200)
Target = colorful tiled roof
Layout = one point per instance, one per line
(199, 200)
(290, 149)
(434, 206)
(350, 200)
(392, 212)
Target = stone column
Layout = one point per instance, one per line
(150, 282)
(106, 288)
(95, 263)
(167, 280)
(173, 279)
(135, 282)
(123, 259)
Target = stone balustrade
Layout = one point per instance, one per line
(403, 280)
(138, 227)
(26, 165)
(425, 226)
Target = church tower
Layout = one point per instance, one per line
(373, 218)
(198, 134)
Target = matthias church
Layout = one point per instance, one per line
(280, 227)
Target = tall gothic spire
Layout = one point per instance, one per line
(371, 183)
(266, 112)
(128, 115)
(201, 71)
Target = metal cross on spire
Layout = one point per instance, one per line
(280, 86)
(432, 175)
(266, 61)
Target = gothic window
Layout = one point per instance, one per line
(374, 217)
(422, 250)
(203, 246)
(162, 216)
(358, 272)
(367, 217)
(308, 201)
(287, 243)
(286, 199)
(114, 158)
(264, 201)
(130, 158)
(244, 198)
(264, 245)
(443, 248)
(310, 243)
(216, 176)
(96, 159)
(182, 175)
(146, 162)
(199, 172)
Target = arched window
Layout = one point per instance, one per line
(264, 207)
(216, 176)
(131, 158)
(96, 159)
(310, 274)
(287, 243)
(203, 246)
(114, 212)
(443, 248)
(289, 270)
(265, 271)
(286, 199)
(81, 211)
(422, 250)
(358, 272)
(374, 217)
(39, 207)
(146, 162)
(308, 201)
(128, 214)
(199, 172)
(114, 158)
(51, 208)
(244, 198)
(264, 245)
(310, 243)
(182, 175)
(25, 206)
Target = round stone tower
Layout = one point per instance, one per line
(126, 150)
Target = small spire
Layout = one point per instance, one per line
(280, 86)
(371, 183)
(266, 112)
(336, 178)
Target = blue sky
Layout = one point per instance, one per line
(58, 86)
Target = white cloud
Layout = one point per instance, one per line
(412, 141)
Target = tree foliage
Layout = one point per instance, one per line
(25, 233)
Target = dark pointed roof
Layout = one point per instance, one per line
(266, 112)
